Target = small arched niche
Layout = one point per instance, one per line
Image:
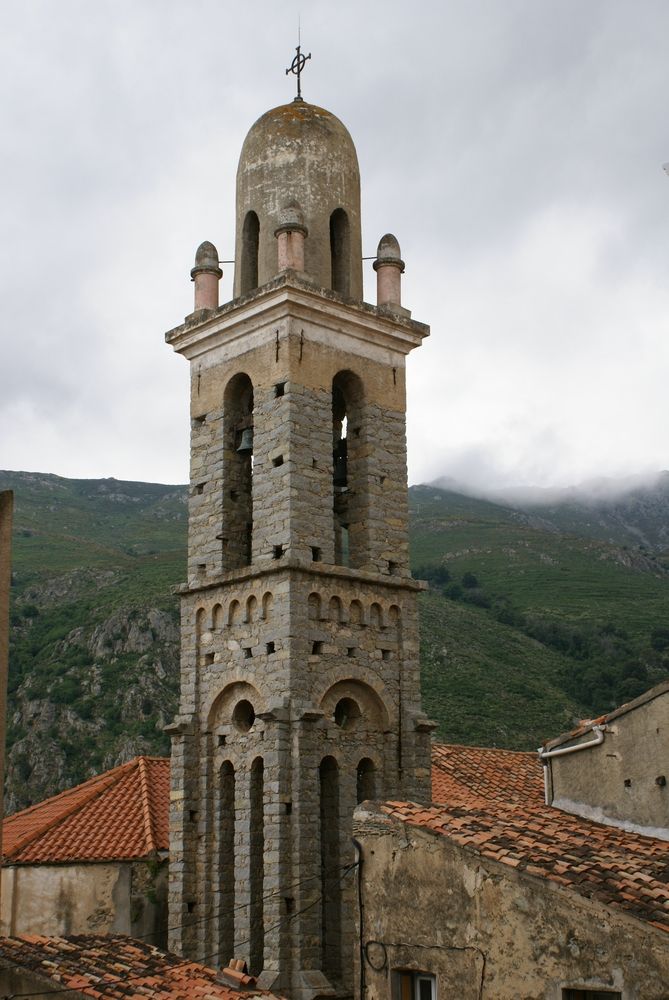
(375, 615)
(365, 780)
(336, 610)
(267, 605)
(250, 245)
(340, 251)
(251, 609)
(314, 606)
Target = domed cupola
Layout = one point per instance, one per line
(299, 154)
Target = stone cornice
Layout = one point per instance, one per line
(295, 567)
(290, 297)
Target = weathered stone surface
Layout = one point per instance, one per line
(299, 646)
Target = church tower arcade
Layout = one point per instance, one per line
(300, 692)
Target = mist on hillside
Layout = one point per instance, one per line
(591, 492)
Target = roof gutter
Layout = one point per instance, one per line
(546, 755)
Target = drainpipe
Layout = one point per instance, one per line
(545, 755)
(358, 858)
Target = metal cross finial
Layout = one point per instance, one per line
(296, 67)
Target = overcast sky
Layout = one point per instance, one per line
(515, 147)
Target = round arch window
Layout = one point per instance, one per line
(347, 713)
(244, 715)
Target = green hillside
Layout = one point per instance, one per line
(527, 627)
(600, 608)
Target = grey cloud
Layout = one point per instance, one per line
(515, 149)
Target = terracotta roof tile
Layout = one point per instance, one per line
(115, 967)
(493, 803)
(121, 814)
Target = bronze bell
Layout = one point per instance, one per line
(246, 442)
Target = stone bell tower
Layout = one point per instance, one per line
(299, 666)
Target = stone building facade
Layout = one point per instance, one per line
(495, 893)
(300, 688)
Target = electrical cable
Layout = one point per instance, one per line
(347, 869)
(240, 906)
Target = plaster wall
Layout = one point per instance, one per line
(485, 930)
(18, 982)
(624, 780)
(123, 898)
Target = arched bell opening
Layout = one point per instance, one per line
(349, 470)
(237, 529)
(250, 245)
(340, 251)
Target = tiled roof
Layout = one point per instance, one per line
(492, 774)
(119, 815)
(115, 967)
(494, 805)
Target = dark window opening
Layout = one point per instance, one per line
(238, 472)
(226, 858)
(350, 651)
(340, 251)
(385, 654)
(248, 652)
(190, 906)
(365, 780)
(279, 389)
(331, 877)
(590, 995)
(276, 462)
(250, 243)
(316, 555)
(257, 866)
(200, 488)
(347, 713)
(244, 715)
(277, 551)
(316, 648)
(192, 815)
(349, 471)
(269, 647)
(221, 740)
(208, 659)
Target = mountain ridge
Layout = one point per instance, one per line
(528, 625)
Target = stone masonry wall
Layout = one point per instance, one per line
(485, 930)
(300, 678)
